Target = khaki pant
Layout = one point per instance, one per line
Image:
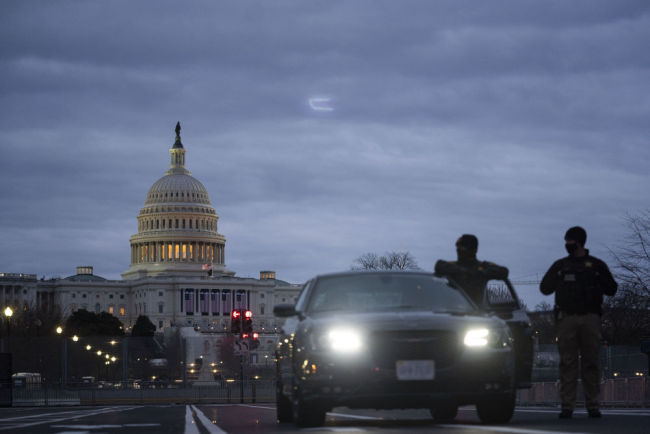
(579, 335)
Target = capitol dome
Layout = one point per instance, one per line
(177, 227)
(176, 188)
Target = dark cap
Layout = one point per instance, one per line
(577, 234)
(468, 241)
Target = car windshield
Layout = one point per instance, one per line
(386, 291)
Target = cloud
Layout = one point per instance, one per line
(511, 120)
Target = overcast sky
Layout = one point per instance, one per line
(512, 120)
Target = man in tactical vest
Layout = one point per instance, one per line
(471, 274)
(579, 282)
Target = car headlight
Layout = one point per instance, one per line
(484, 337)
(476, 338)
(340, 340)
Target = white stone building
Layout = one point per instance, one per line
(167, 280)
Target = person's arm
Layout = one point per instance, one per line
(550, 280)
(493, 271)
(444, 268)
(606, 281)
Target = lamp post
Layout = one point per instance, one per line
(8, 314)
(64, 356)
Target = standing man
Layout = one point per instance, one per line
(579, 282)
(471, 274)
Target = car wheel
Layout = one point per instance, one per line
(283, 405)
(496, 409)
(444, 412)
(307, 414)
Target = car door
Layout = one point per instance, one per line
(501, 299)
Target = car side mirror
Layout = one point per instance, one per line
(285, 310)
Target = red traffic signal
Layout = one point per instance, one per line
(248, 314)
(256, 335)
(244, 335)
(236, 314)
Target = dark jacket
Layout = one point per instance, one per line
(471, 275)
(579, 284)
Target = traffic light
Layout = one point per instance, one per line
(255, 340)
(248, 322)
(235, 321)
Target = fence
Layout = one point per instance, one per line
(615, 361)
(228, 392)
(619, 392)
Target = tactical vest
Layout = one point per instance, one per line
(578, 291)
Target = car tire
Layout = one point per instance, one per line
(307, 414)
(444, 412)
(496, 409)
(284, 409)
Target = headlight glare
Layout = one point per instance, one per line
(344, 340)
(476, 337)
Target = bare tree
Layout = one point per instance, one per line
(626, 317)
(632, 260)
(388, 261)
(367, 261)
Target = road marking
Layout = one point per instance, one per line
(190, 425)
(76, 414)
(136, 425)
(207, 423)
(86, 426)
(74, 432)
(617, 412)
(505, 429)
(257, 406)
(31, 416)
(333, 428)
(354, 416)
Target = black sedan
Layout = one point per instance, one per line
(392, 340)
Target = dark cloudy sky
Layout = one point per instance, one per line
(512, 120)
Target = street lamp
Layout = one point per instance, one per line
(75, 338)
(64, 356)
(8, 314)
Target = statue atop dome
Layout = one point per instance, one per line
(177, 143)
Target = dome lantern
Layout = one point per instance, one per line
(177, 152)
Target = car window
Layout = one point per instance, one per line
(498, 294)
(386, 291)
(300, 304)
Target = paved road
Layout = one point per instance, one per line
(252, 418)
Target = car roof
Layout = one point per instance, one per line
(361, 272)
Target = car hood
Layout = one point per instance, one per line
(402, 320)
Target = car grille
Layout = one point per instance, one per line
(389, 346)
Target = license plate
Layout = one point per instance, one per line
(415, 370)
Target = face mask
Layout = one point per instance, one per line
(571, 248)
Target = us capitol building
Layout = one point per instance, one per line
(171, 255)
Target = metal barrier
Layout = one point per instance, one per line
(254, 391)
(618, 392)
